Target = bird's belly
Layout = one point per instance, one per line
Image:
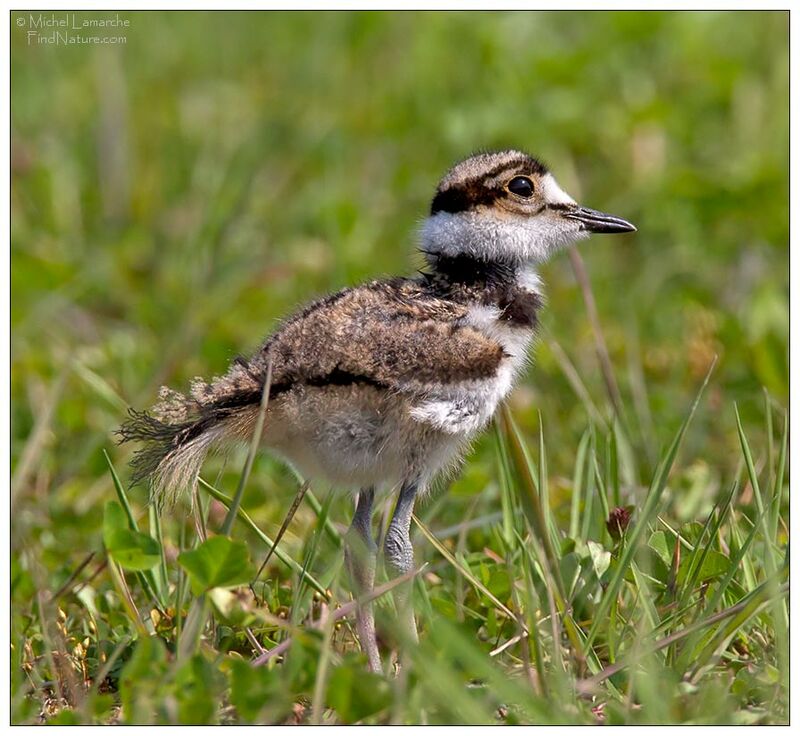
(356, 437)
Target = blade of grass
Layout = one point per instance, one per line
(125, 596)
(612, 467)
(645, 596)
(461, 568)
(540, 539)
(459, 648)
(323, 667)
(302, 602)
(602, 492)
(762, 597)
(535, 645)
(312, 547)
(577, 484)
(161, 579)
(227, 524)
(701, 548)
(102, 673)
(574, 380)
(586, 520)
(638, 389)
(778, 611)
(180, 588)
(330, 528)
(544, 491)
(121, 494)
(67, 584)
(589, 685)
(193, 627)
(769, 549)
(712, 603)
(506, 494)
(100, 386)
(37, 439)
(777, 487)
(279, 553)
(339, 613)
(749, 575)
(648, 513)
(298, 499)
(145, 577)
(782, 614)
(626, 458)
(584, 654)
(770, 438)
(531, 499)
(200, 509)
(49, 648)
(606, 368)
(749, 464)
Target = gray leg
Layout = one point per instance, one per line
(399, 555)
(360, 552)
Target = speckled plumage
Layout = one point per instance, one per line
(383, 385)
(390, 379)
(348, 373)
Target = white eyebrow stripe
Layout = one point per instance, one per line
(553, 193)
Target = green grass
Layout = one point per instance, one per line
(173, 198)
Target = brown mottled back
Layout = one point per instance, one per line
(395, 333)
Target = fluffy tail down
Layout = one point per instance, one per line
(179, 431)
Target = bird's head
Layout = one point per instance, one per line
(506, 206)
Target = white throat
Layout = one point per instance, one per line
(485, 236)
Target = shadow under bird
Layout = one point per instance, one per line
(379, 387)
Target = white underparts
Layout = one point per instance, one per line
(466, 407)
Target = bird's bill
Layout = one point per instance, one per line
(599, 222)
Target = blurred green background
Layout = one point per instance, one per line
(175, 195)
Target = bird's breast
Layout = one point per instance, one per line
(465, 407)
(513, 331)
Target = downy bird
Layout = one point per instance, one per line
(380, 387)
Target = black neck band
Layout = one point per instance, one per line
(471, 271)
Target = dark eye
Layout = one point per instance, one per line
(522, 186)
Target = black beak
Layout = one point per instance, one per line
(599, 222)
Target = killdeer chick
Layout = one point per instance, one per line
(382, 386)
